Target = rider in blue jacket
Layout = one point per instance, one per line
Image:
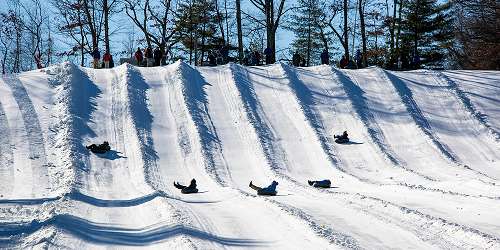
(270, 190)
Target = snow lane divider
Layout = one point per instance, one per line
(142, 120)
(468, 105)
(75, 101)
(308, 104)
(197, 104)
(36, 141)
(273, 151)
(417, 115)
(356, 94)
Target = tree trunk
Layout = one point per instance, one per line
(82, 49)
(399, 29)
(240, 32)
(106, 24)
(346, 36)
(309, 43)
(416, 31)
(363, 30)
(392, 27)
(219, 21)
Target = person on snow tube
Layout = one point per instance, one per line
(320, 184)
(270, 190)
(189, 189)
(99, 149)
(341, 138)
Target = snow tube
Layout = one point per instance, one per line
(265, 192)
(189, 190)
(320, 184)
(101, 149)
(342, 140)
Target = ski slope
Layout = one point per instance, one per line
(421, 171)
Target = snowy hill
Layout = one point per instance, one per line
(421, 171)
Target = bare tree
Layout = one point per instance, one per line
(273, 15)
(329, 19)
(33, 12)
(361, 10)
(108, 8)
(155, 22)
(240, 30)
(7, 35)
(82, 21)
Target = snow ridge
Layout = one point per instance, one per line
(355, 93)
(274, 153)
(75, 102)
(417, 115)
(468, 105)
(196, 102)
(308, 103)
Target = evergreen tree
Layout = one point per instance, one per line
(305, 23)
(425, 33)
(197, 24)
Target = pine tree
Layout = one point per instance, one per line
(305, 24)
(425, 33)
(197, 24)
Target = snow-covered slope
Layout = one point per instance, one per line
(421, 171)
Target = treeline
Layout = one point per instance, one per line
(394, 34)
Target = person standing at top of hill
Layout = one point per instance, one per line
(107, 60)
(149, 57)
(157, 56)
(268, 52)
(325, 57)
(296, 58)
(343, 62)
(96, 55)
(256, 58)
(139, 56)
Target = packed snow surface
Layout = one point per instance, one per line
(421, 170)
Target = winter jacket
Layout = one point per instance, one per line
(270, 190)
(95, 54)
(157, 54)
(99, 149)
(106, 57)
(268, 51)
(148, 53)
(138, 56)
(189, 189)
(322, 184)
(325, 58)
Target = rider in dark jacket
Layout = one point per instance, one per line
(320, 184)
(99, 149)
(342, 138)
(189, 189)
(270, 190)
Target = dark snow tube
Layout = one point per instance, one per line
(98, 149)
(189, 190)
(322, 184)
(268, 193)
(342, 140)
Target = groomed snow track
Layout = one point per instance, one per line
(422, 169)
